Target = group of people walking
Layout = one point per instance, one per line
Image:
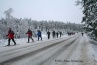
(54, 34)
(10, 35)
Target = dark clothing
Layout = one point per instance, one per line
(48, 33)
(60, 33)
(11, 36)
(29, 32)
(53, 33)
(30, 38)
(82, 34)
(57, 34)
(39, 35)
(12, 40)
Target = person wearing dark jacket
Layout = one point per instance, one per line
(82, 33)
(10, 36)
(39, 35)
(29, 32)
(57, 34)
(48, 33)
(60, 33)
(53, 33)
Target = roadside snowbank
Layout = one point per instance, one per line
(92, 51)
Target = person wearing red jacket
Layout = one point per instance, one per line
(10, 37)
(29, 32)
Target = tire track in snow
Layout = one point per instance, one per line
(56, 54)
(28, 54)
(2, 52)
(73, 54)
(66, 54)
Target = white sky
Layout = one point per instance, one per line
(57, 10)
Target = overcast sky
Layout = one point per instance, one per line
(57, 10)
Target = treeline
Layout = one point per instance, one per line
(20, 26)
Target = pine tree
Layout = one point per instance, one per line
(90, 15)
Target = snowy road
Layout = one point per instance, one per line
(64, 51)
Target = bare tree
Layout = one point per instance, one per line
(8, 13)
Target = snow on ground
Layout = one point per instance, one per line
(44, 55)
(91, 50)
(68, 55)
(83, 49)
(22, 42)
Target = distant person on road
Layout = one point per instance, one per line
(10, 36)
(57, 34)
(48, 33)
(82, 33)
(39, 34)
(53, 33)
(29, 32)
(60, 33)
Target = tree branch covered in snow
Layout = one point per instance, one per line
(90, 15)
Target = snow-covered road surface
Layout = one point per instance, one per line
(71, 50)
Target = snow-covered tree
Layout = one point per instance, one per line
(8, 13)
(20, 26)
(90, 15)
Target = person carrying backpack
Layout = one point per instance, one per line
(10, 36)
(39, 35)
(29, 32)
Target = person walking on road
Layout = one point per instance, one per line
(39, 35)
(82, 33)
(53, 33)
(60, 33)
(10, 36)
(29, 32)
(57, 34)
(48, 33)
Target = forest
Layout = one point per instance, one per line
(21, 25)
